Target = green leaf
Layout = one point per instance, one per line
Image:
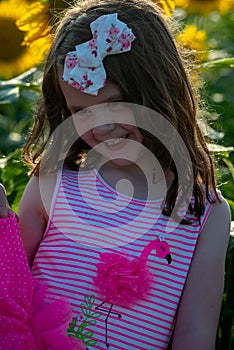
(9, 95)
(231, 204)
(14, 177)
(219, 63)
(23, 79)
(229, 165)
(220, 149)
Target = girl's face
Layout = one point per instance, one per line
(105, 122)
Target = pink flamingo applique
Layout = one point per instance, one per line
(123, 281)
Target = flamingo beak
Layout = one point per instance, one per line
(168, 258)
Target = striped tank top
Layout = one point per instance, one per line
(89, 218)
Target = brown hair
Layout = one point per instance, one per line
(152, 74)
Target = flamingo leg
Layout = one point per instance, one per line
(109, 312)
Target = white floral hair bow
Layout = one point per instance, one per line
(84, 67)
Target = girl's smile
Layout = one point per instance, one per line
(105, 123)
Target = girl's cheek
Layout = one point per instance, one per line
(88, 138)
(83, 127)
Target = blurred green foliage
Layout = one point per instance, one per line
(17, 98)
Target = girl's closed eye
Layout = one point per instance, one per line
(82, 113)
(115, 106)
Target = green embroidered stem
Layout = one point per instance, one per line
(80, 331)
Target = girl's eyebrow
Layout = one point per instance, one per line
(113, 98)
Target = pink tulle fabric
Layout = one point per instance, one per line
(122, 281)
(27, 322)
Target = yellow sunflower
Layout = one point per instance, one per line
(14, 58)
(225, 6)
(167, 6)
(34, 21)
(182, 3)
(204, 7)
(37, 21)
(38, 18)
(194, 39)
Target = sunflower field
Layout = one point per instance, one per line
(206, 28)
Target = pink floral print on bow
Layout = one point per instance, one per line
(83, 68)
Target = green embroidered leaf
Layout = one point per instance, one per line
(91, 321)
(83, 337)
(82, 327)
(74, 335)
(88, 314)
(90, 342)
(88, 334)
(89, 301)
(85, 324)
(95, 314)
(78, 331)
(84, 310)
(72, 325)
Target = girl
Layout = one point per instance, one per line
(121, 214)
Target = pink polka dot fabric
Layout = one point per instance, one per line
(26, 321)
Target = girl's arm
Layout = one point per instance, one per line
(199, 310)
(4, 206)
(33, 215)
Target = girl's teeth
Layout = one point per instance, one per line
(114, 142)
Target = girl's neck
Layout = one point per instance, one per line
(134, 180)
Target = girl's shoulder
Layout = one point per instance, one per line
(34, 212)
(38, 192)
(215, 233)
(219, 218)
(217, 208)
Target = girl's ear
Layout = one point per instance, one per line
(4, 206)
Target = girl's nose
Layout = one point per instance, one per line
(103, 129)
